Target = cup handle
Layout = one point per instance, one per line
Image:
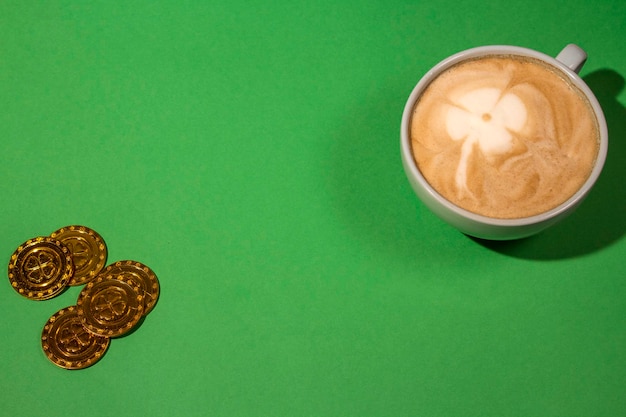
(573, 57)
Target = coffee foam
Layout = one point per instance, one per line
(504, 136)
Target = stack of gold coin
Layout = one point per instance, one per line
(43, 267)
(111, 305)
(114, 301)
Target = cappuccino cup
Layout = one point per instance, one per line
(502, 142)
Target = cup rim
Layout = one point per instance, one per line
(487, 50)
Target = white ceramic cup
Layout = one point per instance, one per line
(569, 61)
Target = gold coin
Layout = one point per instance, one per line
(110, 305)
(68, 344)
(142, 276)
(88, 250)
(40, 268)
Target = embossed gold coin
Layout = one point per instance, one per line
(68, 344)
(40, 268)
(110, 306)
(88, 250)
(140, 274)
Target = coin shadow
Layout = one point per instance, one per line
(134, 329)
(600, 219)
(141, 321)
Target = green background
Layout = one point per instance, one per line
(248, 152)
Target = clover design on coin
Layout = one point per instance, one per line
(142, 276)
(89, 252)
(68, 344)
(485, 117)
(74, 338)
(110, 305)
(41, 268)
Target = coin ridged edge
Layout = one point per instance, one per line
(151, 295)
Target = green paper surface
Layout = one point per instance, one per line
(248, 152)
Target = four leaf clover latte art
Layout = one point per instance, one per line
(503, 136)
(485, 116)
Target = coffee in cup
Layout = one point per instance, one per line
(504, 136)
(503, 141)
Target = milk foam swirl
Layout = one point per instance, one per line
(504, 136)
